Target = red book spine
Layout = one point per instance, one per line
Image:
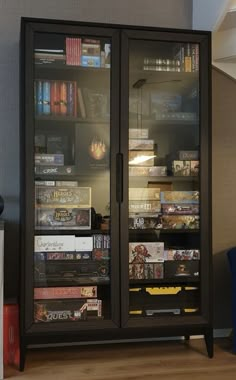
(63, 98)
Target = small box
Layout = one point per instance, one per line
(140, 252)
(84, 243)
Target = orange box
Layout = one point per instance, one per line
(11, 340)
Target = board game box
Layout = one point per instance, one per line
(180, 221)
(65, 292)
(144, 194)
(55, 243)
(74, 197)
(144, 207)
(63, 218)
(145, 222)
(159, 171)
(180, 209)
(179, 197)
(62, 311)
(140, 252)
(181, 269)
(182, 254)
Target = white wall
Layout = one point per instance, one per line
(207, 14)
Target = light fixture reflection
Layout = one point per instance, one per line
(140, 159)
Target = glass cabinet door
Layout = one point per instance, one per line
(163, 179)
(72, 160)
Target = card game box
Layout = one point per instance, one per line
(179, 197)
(49, 159)
(43, 256)
(180, 209)
(65, 292)
(55, 243)
(141, 144)
(181, 269)
(140, 252)
(100, 254)
(181, 168)
(144, 194)
(56, 170)
(148, 171)
(74, 197)
(67, 310)
(138, 133)
(84, 243)
(145, 222)
(182, 254)
(101, 241)
(141, 207)
(63, 218)
(194, 168)
(136, 157)
(180, 222)
(188, 155)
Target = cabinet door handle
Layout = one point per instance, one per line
(119, 177)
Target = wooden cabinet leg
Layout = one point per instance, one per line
(209, 342)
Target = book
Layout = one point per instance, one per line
(81, 105)
(46, 98)
(55, 97)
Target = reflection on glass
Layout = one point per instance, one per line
(164, 220)
(72, 178)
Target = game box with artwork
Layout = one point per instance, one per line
(179, 270)
(47, 196)
(180, 222)
(140, 252)
(63, 218)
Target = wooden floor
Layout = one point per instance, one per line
(172, 360)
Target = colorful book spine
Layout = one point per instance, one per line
(63, 98)
(55, 98)
(39, 97)
(46, 97)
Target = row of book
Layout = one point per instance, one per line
(85, 52)
(186, 59)
(65, 98)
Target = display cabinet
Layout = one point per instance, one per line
(115, 192)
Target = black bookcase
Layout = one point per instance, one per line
(115, 183)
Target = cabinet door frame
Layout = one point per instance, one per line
(204, 40)
(28, 28)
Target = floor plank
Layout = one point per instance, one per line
(172, 360)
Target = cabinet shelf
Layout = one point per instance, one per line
(39, 120)
(164, 281)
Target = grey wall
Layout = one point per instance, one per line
(162, 13)
(223, 196)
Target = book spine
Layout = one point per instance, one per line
(46, 98)
(39, 97)
(63, 98)
(55, 98)
(70, 98)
